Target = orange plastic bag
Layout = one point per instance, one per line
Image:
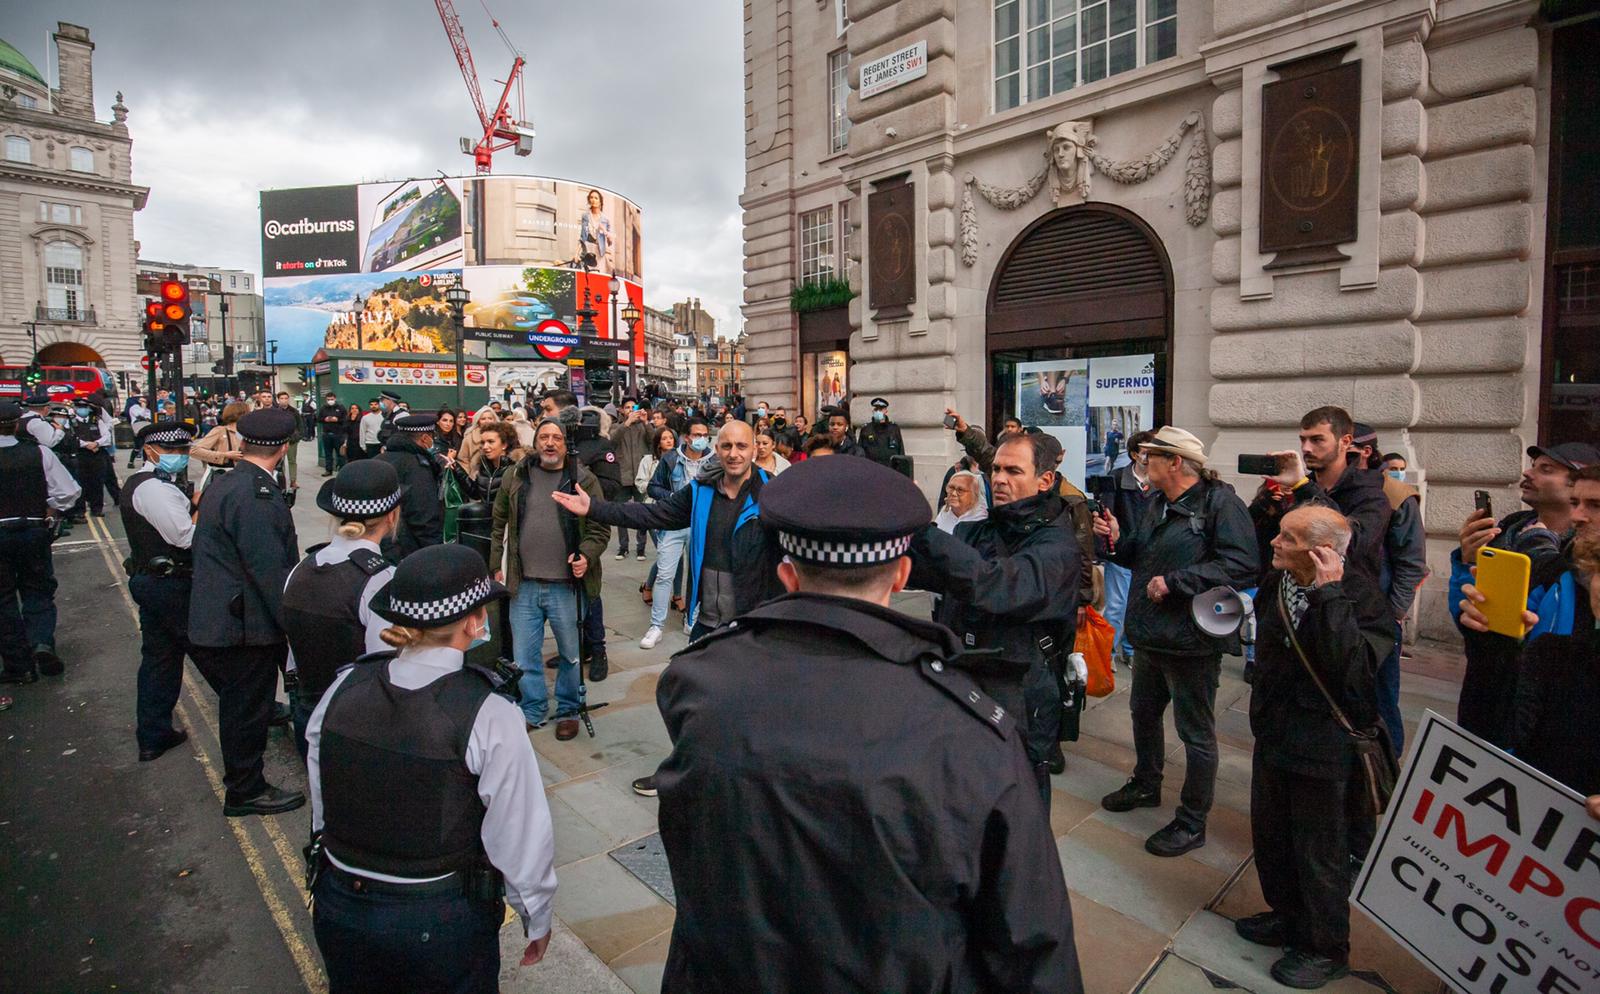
(1095, 638)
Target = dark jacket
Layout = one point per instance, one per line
(1007, 581)
(1552, 724)
(1358, 495)
(244, 547)
(486, 484)
(848, 446)
(1204, 539)
(586, 537)
(421, 510)
(631, 444)
(754, 557)
(903, 812)
(881, 441)
(1405, 548)
(1129, 500)
(331, 419)
(1293, 726)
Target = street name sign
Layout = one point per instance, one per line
(894, 69)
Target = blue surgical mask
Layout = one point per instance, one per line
(84, 412)
(482, 637)
(761, 411)
(879, 416)
(700, 444)
(1397, 474)
(173, 463)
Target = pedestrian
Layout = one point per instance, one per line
(730, 562)
(880, 438)
(763, 797)
(138, 416)
(1314, 677)
(327, 600)
(38, 490)
(447, 436)
(331, 418)
(373, 427)
(549, 555)
(294, 443)
(219, 448)
(631, 438)
(839, 433)
(409, 450)
(428, 814)
(675, 469)
(353, 447)
(1131, 493)
(1010, 585)
(244, 548)
(963, 501)
(589, 438)
(158, 517)
(1488, 684)
(663, 445)
(496, 452)
(1195, 535)
(767, 456)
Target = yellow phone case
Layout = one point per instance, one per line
(1503, 581)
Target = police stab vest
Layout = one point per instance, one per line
(25, 489)
(144, 539)
(322, 616)
(397, 796)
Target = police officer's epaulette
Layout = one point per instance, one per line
(266, 491)
(312, 550)
(731, 628)
(965, 690)
(489, 676)
(371, 563)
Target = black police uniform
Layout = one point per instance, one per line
(244, 547)
(422, 512)
(324, 599)
(419, 771)
(904, 810)
(391, 416)
(34, 487)
(881, 440)
(160, 578)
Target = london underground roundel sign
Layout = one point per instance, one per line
(552, 339)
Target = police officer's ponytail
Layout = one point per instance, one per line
(407, 637)
(354, 528)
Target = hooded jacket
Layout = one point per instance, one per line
(1203, 539)
(585, 536)
(421, 510)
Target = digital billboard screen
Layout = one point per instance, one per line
(364, 267)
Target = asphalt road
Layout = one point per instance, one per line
(124, 876)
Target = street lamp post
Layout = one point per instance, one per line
(356, 306)
(227, 357)
(614, 286)
(457, 297)
(631, 317)
(272, 365)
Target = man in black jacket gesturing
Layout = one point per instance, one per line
(1009, 582)
(1301, 804)
(1195, 534)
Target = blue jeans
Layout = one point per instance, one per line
(535, 603)
(669, 549)
(1118, 578)
(1389, 695)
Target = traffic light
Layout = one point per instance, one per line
(33, 376)
(174, 311)
(155, 327)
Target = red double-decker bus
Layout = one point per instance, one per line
(64, 383)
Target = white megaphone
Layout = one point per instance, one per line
(1221, 611)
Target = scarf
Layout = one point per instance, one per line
(1295, 597)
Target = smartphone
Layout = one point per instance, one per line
(1503, 581)
(1258, 465)
(1095, 507)
(950, 421)
(1480, 499)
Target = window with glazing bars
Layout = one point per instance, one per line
(838, 93)
(816, 245)
(1049, 46)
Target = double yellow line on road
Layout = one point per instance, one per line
(261, 869)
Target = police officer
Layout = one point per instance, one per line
(893, 836)
(426, 801)
(389, 405)
(409, 451)
(91, 429)
(326, 604)
(36, 421)
(244, 548)
(37, 489)
(880, 438)
(158, 517)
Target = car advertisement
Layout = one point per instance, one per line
(364, 268)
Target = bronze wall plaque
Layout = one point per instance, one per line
(891, 250)
(1310, 159)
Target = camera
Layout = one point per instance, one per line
(1102, 488)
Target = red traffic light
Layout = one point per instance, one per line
(153, 309)
(175, 312)
(174, 290)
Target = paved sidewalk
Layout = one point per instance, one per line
(1143, 923)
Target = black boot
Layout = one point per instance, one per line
(1307, 971)
(599, 665)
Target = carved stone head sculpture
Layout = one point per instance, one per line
(1069, 159)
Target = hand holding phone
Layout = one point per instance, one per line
(1499, 593)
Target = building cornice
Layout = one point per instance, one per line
(58, 122)
(1226, 56)
(86, 182)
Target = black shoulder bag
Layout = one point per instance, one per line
(1374, 750)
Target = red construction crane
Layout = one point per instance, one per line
(500, 129)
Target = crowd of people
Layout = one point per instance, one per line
(919, 795)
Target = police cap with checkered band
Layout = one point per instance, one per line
(843, 511)
(435, 587)
(363, 489)
(167, 433)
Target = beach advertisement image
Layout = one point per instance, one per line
(366, 312)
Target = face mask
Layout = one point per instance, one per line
(701, 444)
(1397, 474)
(173, 463)
(879, 416)
(762, 411)
(83, 412)
(482, 638)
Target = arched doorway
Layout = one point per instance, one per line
(70, 354)
(1079, 333)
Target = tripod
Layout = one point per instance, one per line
(584, 707)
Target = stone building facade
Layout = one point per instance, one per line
(67, 200)
(1087, 178)
(659, 339)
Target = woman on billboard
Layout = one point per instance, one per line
(594, 233)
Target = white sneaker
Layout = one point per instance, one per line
(650, 639)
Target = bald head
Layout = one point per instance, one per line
(736, 450)
(1320, 526)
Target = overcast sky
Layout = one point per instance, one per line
(229, 97)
